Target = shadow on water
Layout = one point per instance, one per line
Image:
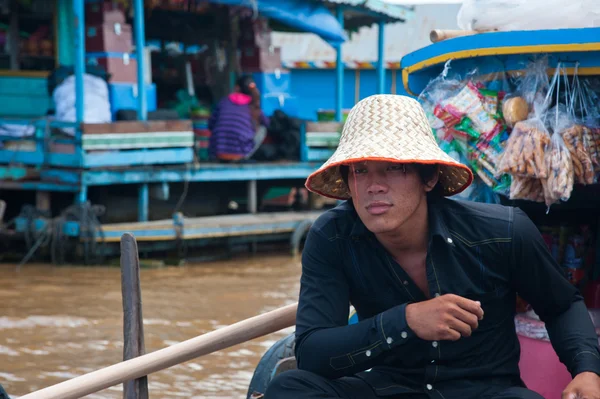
(60, 322)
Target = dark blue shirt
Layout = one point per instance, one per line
(483, 252)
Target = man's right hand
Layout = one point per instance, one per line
(445, 318)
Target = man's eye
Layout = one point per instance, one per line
(359, 170)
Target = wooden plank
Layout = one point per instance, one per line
(133, 321)
(217, 221)
(137, 127)
(323, 126)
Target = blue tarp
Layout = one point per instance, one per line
(304, 15)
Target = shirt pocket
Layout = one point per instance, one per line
(496, 310)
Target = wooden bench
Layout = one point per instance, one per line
(128, 143)
(319, 140)
(116, 144)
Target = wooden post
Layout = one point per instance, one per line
(252, 197)
(42, 200)
(133, 322)
(2, 210)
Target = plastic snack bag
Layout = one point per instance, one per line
(524, 152)
(559, 183)
(526, 188)
(575, 139)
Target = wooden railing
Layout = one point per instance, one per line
(135, 368)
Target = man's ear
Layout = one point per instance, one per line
(430, 185)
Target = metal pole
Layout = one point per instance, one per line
(339, 71)
(79, 42)
(381, 59)
(140, 44)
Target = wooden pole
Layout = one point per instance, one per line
(133, 321)
(2, 210)
(182, 352)
(438, 35)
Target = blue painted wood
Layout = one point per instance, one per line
(79, 14)
(339, 70)
(502, 39)
(143, 203)
(381, 58)
(418, 80)
(61, 175)
(319, 154)
(82, 194)
(22, 157)
(303, 147)
(198, 232)
(24, 97)
(201, 173)
(71, 229)
(13, 173)
(122, 158)
(65, 21)
(141, 157)
(38, 186)
(138, 26)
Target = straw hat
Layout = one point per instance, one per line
(388, 128)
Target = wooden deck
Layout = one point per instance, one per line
(210, 226)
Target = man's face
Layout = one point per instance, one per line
(385, 194)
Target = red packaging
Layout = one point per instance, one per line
(105, 11)
(109, 38)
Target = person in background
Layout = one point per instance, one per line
(237, 124)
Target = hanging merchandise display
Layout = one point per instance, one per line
(533, 137)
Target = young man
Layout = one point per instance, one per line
(433, 280)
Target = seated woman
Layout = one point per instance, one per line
(237, 124)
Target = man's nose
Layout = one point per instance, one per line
(377, 187)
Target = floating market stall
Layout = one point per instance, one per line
(521, 109)
(110, 146)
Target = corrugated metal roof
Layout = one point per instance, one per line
(400, 38)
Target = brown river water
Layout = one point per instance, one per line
(60, 322)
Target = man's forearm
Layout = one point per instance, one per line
(341, 351)
(575, 340)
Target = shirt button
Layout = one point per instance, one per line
(434, 344)
(429, 387)
(437, 294)
(389, 340)
(449, 240)
(404, 334)
(405, 282)
(368, 353)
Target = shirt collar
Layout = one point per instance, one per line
(437, 223)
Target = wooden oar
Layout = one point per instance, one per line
(438, 35)
(213, 341)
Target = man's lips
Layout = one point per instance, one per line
(378, 207)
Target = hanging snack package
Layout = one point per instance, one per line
(436, 91)
(526, 188)
(575, 139)
(583, 106)
(524, 154)
(559, 183)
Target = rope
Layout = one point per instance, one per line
(86, 215)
